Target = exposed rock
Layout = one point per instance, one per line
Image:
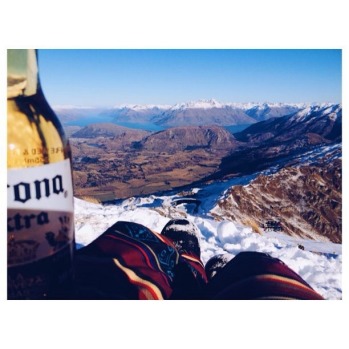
(306, 200)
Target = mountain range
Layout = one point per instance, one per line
(201, 112)
(293, 163)
(269, 142)
(131, 162)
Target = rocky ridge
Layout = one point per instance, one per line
(303, 201)
(325, 121)
(275, 140)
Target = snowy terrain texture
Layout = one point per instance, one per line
(318, 263)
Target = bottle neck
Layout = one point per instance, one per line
(22, 73)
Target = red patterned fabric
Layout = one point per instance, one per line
(129, 261)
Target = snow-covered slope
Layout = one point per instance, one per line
(319, 263)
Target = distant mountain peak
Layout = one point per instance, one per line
(199, 104)
(138, 107)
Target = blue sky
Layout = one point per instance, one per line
(105, 77)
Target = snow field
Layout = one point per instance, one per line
(320, 264)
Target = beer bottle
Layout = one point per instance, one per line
(40, 206)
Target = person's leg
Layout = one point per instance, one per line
(255, 275)
(128, 261)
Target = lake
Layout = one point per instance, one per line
(88, 120)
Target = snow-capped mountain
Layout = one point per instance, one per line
(200, 104)
(198, 112)
(142, 106)
(324, 120)
(137, 114)
(332, 111)
(203, 112)
(211, 111)
(266, 111)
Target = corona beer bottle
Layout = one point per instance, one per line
(40, 206)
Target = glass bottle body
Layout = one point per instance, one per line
(40, 212)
